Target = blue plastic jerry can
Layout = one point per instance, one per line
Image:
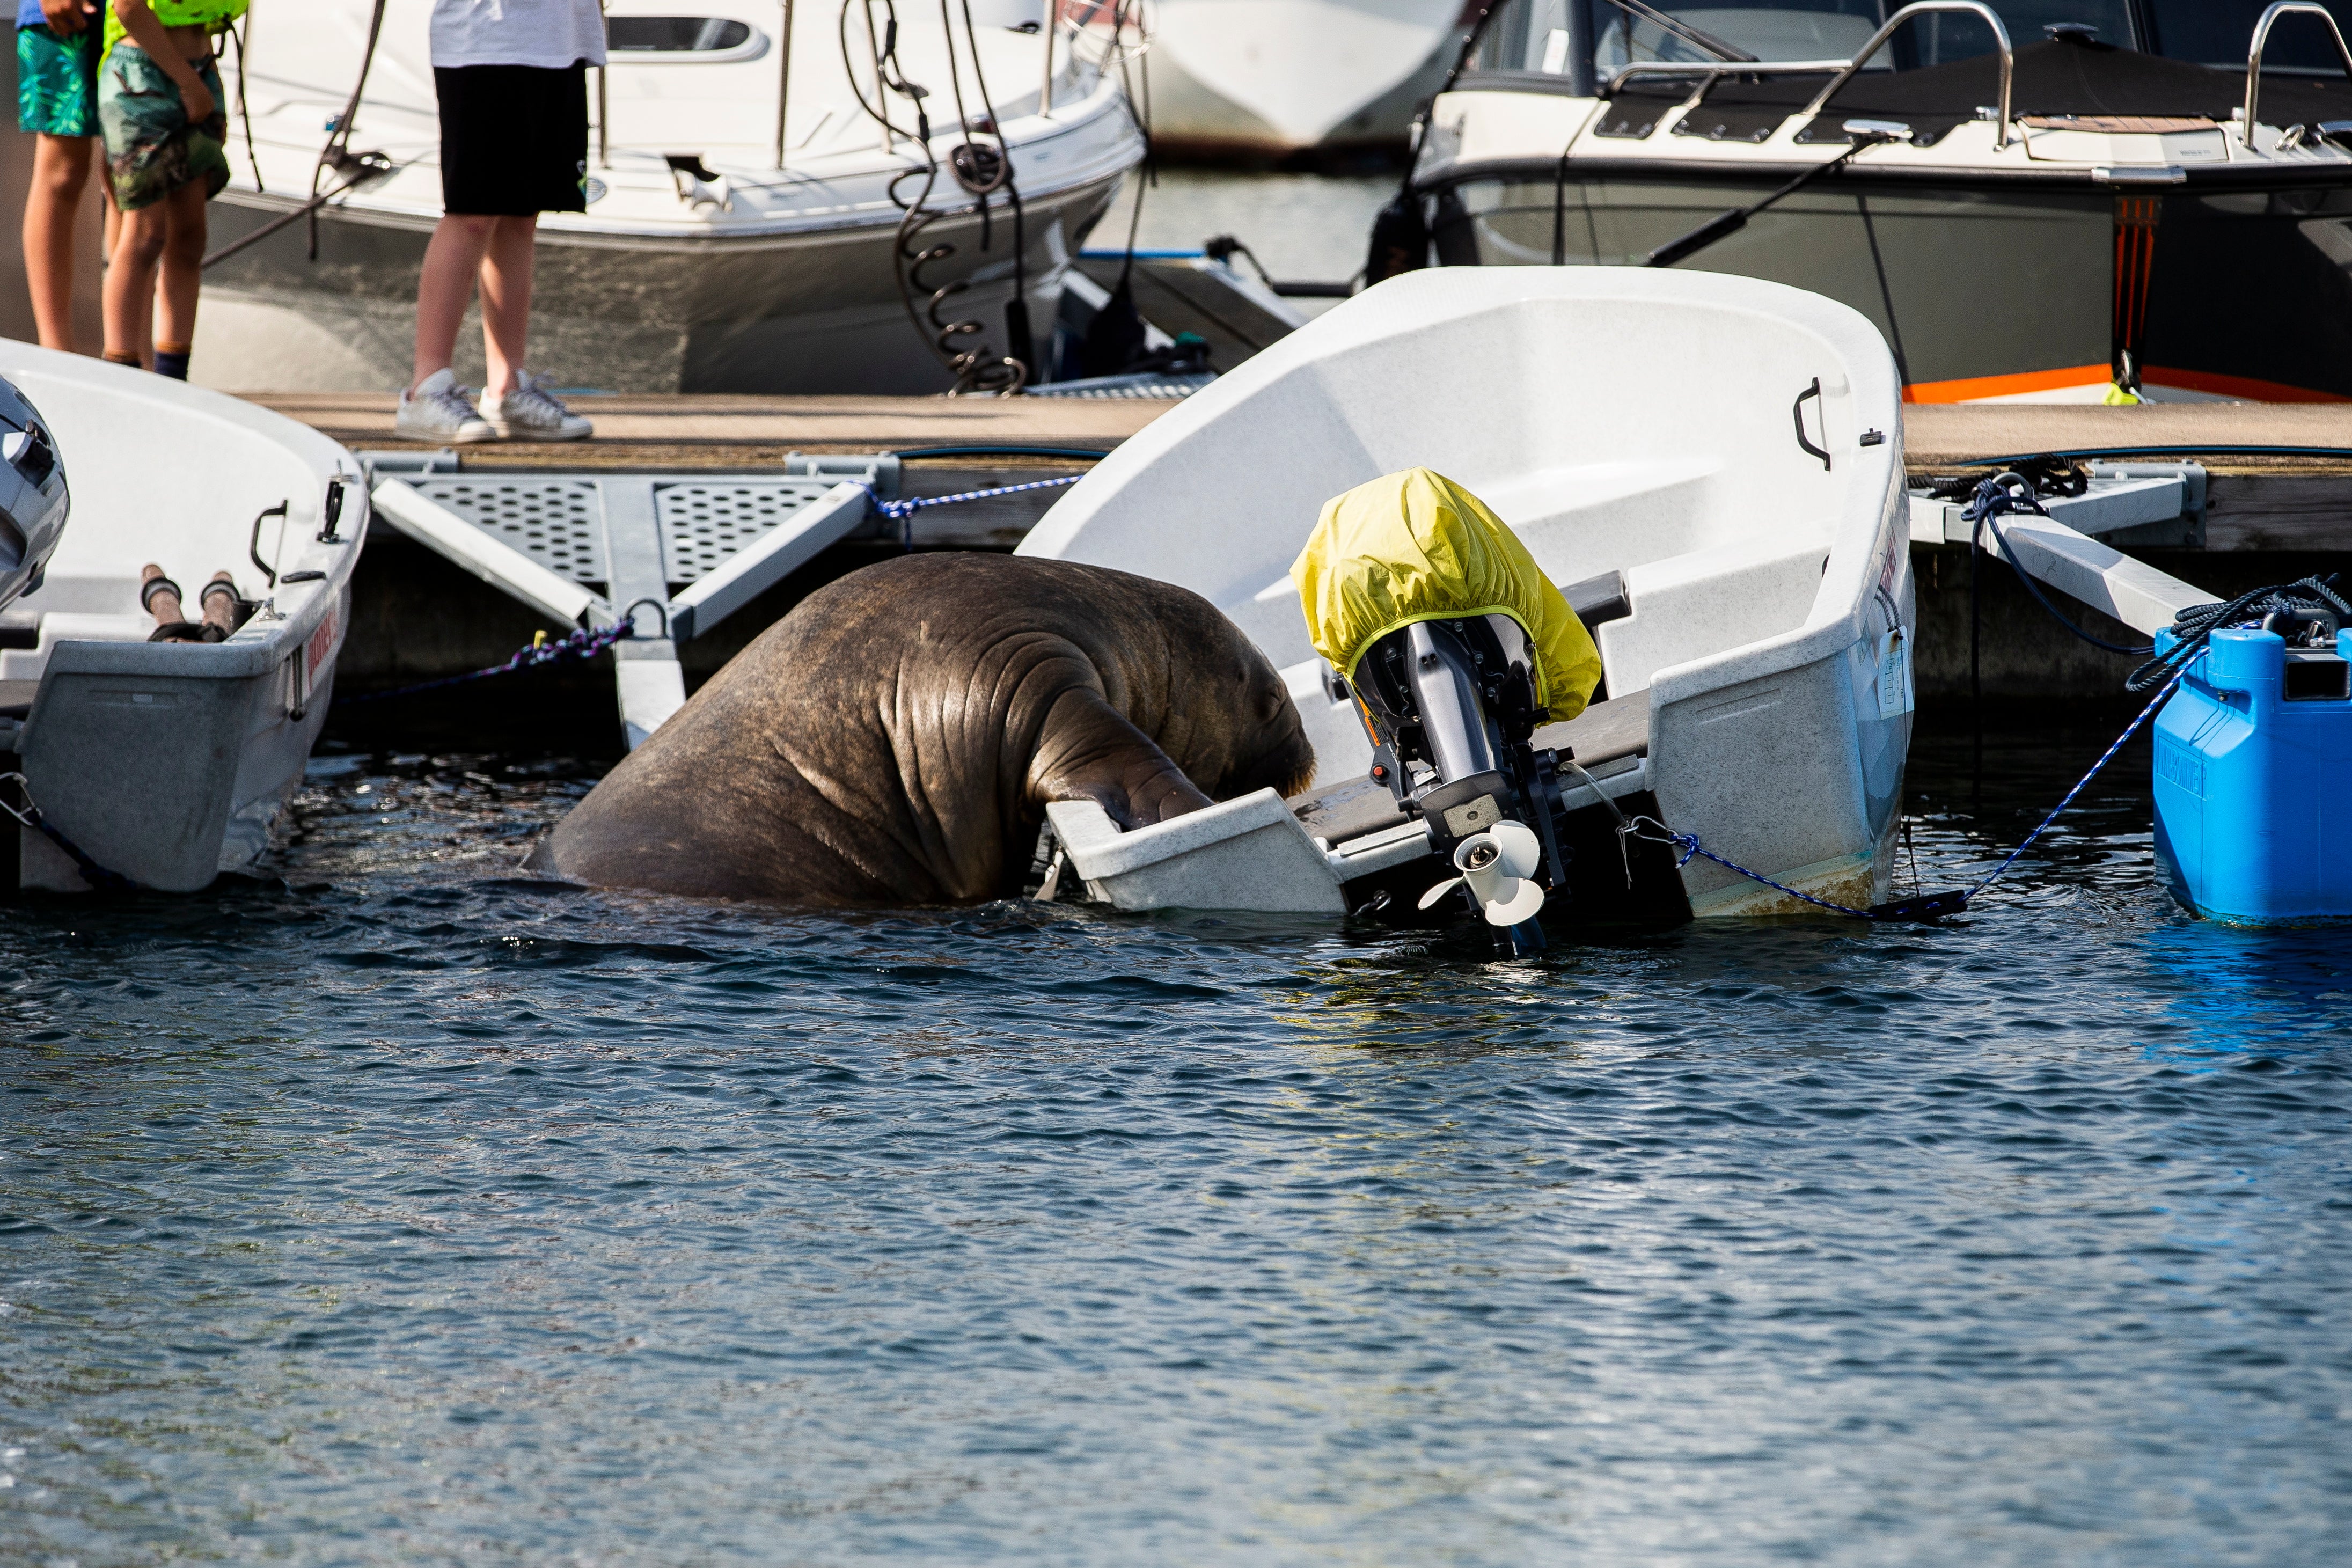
(2253, 781)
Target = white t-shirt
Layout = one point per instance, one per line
(548, 33)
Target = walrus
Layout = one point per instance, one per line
(895, 738)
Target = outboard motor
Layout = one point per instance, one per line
(33, 499)
(1450, 705)
(1457, 647)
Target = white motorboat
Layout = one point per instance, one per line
(1709, 466)
(743, 232)
(167, 763)
(2034, 200)
(1278, 76)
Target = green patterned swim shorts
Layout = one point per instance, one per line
(57, 82)
(152, 151)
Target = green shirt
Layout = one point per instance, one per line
(213, 15)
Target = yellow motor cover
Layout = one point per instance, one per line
(1416, 546)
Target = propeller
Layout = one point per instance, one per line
(1496, 865)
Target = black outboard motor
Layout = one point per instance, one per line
(33, 502)
(1451, 707)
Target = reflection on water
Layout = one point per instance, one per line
(1315, 227)
(409, 1210)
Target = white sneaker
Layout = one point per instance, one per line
(531, 413)
(438, 411)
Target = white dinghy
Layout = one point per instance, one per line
(1709, 466)
(167, 763)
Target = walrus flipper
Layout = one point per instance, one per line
(1088, 751)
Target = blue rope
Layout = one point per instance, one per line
(1689, 845)
(902, 512)
(2105, 758)
(582, 644)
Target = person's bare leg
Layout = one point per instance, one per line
(505, 299)
(130, 283)
(220, 607)
(163, 603)
(60, 173)
(183, 276)
(451, 261)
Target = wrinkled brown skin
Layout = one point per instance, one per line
(895, 738)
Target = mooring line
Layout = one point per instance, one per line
(1927, 907)
(582, 644)
(902, 512)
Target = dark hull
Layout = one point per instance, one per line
(1984, 288)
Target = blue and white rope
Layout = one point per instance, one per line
(902, 511)
(2105, 757)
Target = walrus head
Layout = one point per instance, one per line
(1191, 711)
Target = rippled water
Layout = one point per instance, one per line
(412, 1212)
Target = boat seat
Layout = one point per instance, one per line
(1596, 600)
(1599, 599)
(1603, 732)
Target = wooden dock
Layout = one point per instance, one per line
(726, 431)
(2254, 502)
(2277, 501)
(2271, 516)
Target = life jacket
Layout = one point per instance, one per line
(210, 14)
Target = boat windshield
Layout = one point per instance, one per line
(674, 35)
(2218, 33)
(1590, 40)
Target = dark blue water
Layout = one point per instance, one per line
(409, 1212)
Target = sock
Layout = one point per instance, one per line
(130, 360)
(172, 360)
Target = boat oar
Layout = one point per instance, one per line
(1865, 133)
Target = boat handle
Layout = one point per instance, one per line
(253, 546)
(2262, 37)
(1797, 412)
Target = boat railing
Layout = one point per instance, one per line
(1844, 70)
(2261, 38)
(1921, 9)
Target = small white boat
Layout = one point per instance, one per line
(743, 225)
(1276, 77)
(167, 763)
(1710, 466)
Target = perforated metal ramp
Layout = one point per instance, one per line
(682, 550)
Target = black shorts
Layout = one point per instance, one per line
(514, 139)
